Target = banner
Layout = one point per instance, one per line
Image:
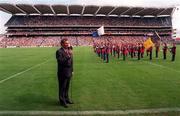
(95, 34)
(148, 43)
(100, 31)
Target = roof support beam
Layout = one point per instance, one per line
(20, 9)
(153, 12)
(174, 9)
(97, 11)
(125, 11)
(6, 10)
(139, 11)
(111, 11)
(83, 10)
(162, 11)
(52, 10)
(67, 10)
(36, 9)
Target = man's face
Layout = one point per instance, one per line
(65, 44)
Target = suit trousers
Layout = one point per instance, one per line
(64, 83)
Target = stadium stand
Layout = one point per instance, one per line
(76, 20)
(47, 30)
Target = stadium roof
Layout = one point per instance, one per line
(60, 9)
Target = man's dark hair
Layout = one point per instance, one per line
(63, 40)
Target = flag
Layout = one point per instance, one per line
(100, 31)
(148, 43)
(95, 34)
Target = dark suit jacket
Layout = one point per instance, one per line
(65, 64)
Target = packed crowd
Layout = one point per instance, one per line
(88, 32)
(50, 41)
(44, 41)
(84, 32)
(47, 32)
(76, 20)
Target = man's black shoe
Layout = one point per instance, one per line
(64, 105)
(69, 102)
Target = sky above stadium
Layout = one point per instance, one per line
(4, 17)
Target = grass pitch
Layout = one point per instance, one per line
(118, 85)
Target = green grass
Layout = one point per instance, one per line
(118, 85)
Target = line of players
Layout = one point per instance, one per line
(103, 50)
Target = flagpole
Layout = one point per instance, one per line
(158, 35)
(160, 43)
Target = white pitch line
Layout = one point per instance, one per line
(17, 74)
(162, 66)
(96, 112)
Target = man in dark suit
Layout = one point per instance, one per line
(65, 70)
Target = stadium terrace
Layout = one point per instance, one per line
(45, 25)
